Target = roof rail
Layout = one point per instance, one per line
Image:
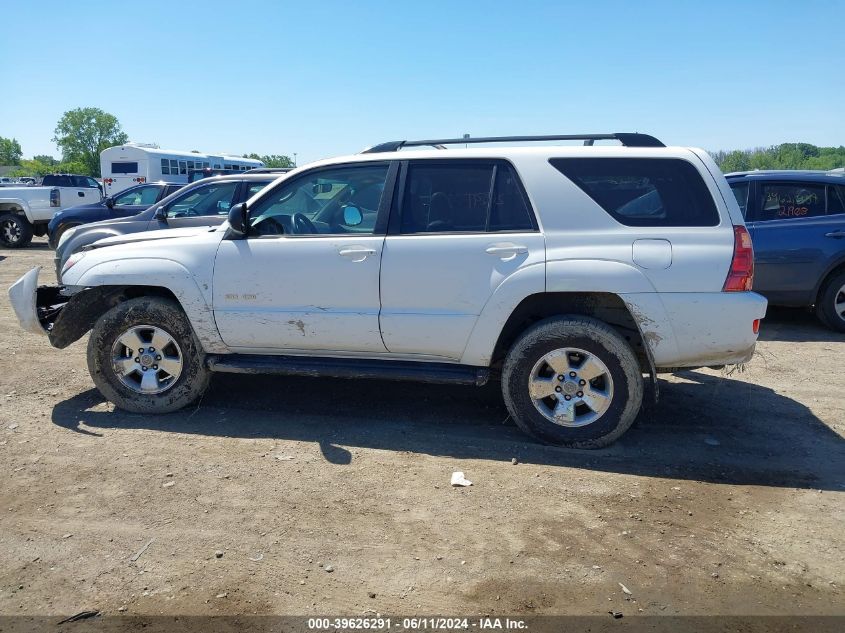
(628, 139)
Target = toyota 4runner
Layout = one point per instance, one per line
(574, 274)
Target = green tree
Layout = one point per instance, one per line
(783, 156)
(44, 158)
(34, 168)
(10, 151)
(83, 133)
(272, 160)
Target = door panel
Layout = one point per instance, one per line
(461, 228)
(433, 287)
(309, 277)
(299, 293)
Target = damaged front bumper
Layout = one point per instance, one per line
(63, 313)
(23, 296)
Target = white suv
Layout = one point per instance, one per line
(569, 272)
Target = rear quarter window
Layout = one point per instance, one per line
(56, 181)
(643, 191)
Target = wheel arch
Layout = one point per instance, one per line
(604, 306)
(80, 313)
(158, 272)
(14, 205)
(833, 269)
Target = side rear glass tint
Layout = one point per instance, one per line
(463, 196)
(508, 210)
(740, 191)
(643, 191)
(449, 197)
(835, 199)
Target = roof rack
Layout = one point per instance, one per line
(628, 139)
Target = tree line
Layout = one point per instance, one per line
(81, 134)
(783, 156)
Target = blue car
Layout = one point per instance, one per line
(797, 225)
(127, 203)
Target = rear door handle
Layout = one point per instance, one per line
(356, 253)
(506, 251)
(835, 234)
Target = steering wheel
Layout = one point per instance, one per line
(302, 225)
(269, 226)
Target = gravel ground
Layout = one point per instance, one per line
(310, 496)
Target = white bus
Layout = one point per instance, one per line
(124, 166)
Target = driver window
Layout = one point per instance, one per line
(137, 196)
(210, 199)
(336, 201)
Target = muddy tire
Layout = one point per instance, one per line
(572, 381)
(144, 357)
(830, 307)
(15, 230)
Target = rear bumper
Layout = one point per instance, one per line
(697, 329)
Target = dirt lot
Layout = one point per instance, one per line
(729, 498)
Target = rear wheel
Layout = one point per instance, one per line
(15, 231)
(831, 304)
(572, 381)
(144, 357)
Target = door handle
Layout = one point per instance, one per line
(506, 251)
(835, 234)
(80, 194)
(356, 253)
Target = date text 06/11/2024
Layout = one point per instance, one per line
(414, 623)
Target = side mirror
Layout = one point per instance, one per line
(110, 202)
(161, 214)
(239, 219)
(352, 216)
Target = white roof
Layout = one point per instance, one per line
(175, 152)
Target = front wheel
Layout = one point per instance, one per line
(572, 381)
(15, 230)
(144, 357)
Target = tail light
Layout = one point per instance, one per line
(741, 275)
(55, 198)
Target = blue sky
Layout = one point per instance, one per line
(324, 78)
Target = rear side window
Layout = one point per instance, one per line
(643, 191)
(835, 199)
(57, 181)
(784, 201)
(463, 197)
(740, 190)
(124, 168)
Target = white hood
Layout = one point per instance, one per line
(151, 235)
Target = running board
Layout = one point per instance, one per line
(439, 373)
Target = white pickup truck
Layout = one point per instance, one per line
(26, 211)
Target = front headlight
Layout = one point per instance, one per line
(72, 260)
(66, 235)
